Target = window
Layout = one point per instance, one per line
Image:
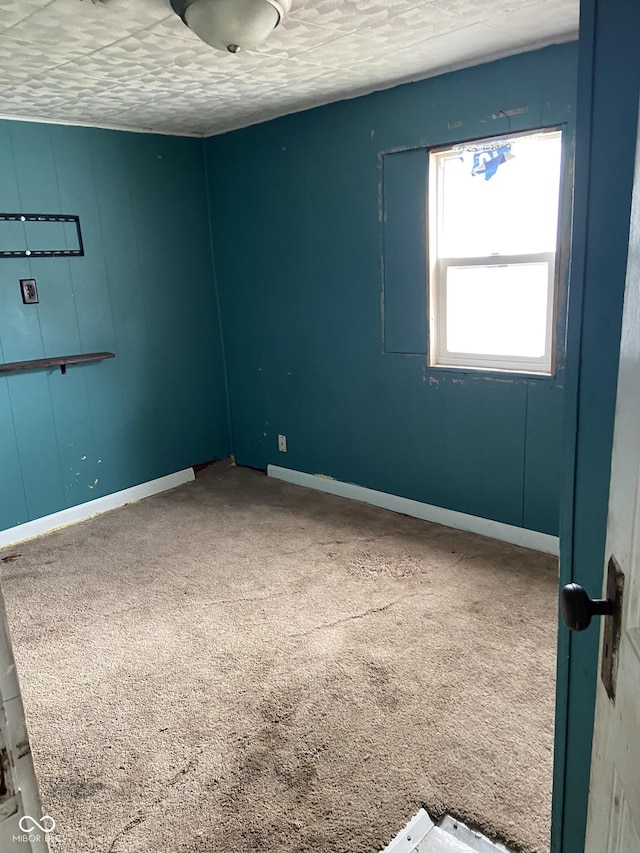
(493, 232)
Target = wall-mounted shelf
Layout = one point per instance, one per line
(60, 361)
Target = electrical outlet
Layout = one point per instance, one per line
(282, 443)
(29, 291)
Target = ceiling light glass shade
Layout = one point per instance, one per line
(232, 24)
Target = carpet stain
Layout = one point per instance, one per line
(383, 686)
(371, 566)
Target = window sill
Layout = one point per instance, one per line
(490, 372)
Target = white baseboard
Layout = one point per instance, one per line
(449, 518)
(87, 510)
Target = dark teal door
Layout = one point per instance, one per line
(608, 91)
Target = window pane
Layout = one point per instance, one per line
(497, 310)
(510, 209)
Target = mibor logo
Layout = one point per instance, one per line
(29, 824)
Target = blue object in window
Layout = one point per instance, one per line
(486, 162)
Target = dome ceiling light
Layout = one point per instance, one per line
(232, 25)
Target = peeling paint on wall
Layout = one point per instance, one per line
(514, 112)
(504, 380)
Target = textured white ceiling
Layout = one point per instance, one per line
(133, 63)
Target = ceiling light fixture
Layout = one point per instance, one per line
(232, 25)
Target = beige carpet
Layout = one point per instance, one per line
(243, 666)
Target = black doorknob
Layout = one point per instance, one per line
(578, 608)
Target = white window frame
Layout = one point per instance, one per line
(439, 354)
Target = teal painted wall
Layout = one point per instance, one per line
(297, 243)
(295, 216)
(144, 290)
(607, 117)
